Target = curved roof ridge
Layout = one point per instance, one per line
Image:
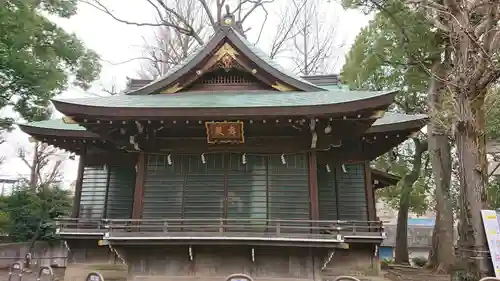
(259, 57)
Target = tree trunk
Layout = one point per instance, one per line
(471, 150)
(433, 259)
(407, 182)
(440, 152)
(34, 167)
(441, 255)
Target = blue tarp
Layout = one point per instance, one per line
(422, 221)
(386, 253)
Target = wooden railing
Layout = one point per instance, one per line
(234, 229)
(78, 226)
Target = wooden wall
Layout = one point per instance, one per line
(224, 187)
(107, 191)
(262, 187)
(342, 193)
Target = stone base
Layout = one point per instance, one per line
(357, 261)
(211, 263)
(110, 272)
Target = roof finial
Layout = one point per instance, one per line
(228, 19)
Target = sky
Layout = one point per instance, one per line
(117, 43)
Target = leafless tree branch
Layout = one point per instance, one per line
(44, 165)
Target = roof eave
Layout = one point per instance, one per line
(411, 125)
(32, 131)
(115, 113)
(385, 176)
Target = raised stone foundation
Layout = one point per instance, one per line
(202, 262)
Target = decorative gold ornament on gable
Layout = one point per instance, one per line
(282, 87)
(175, 88)
(227, 63)
(226, 49)
(68, 120)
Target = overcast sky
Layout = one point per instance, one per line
(116, 42)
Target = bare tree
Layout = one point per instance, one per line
(313, 44)
(44, 163)
(286, 30)
(169, 47)
(299, 36)
(169, 15)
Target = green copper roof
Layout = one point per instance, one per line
(55, 124)
(394, 118)
(233, 99)
(263, 56)
(388, 119)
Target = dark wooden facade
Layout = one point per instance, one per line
(228, 165)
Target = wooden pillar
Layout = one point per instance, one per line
(106, 196)
(313, 186)
(78, 186)
(139, 186)
(370, 193)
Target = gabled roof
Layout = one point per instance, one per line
(227, 35)
(228, 103)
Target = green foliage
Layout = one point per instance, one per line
(492, 110)
(399, 166)
(419, 261)
(4, 215)
(395, 51)
(494, 193)
(38, 58)
(385, 263)
(381, 57)
(28, 211)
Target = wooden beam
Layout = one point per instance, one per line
(264, 145)
(313, 186)
(139, 186)
(78, 186)
(106, 196)
(370, 193)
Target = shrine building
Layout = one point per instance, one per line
(229, 164)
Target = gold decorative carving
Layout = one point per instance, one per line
(282, 87)
(227, 62)
(226, 49)
(175, 88)
(378, 114)
(68, 120)
(225, 132)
